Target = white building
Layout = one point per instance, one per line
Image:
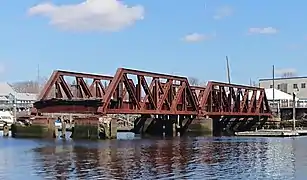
(284, 100)
(278, 95)
(9, 97)
(287, 85)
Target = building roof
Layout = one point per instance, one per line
(278, 95)
(3, 98)
(6, 89)
(26, 96)
(283, 78)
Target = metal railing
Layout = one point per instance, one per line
(288, 104)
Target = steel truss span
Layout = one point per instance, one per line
(139, 92)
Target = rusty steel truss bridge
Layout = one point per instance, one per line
(147, 93)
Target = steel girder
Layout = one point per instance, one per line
(139, 92)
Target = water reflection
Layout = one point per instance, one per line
(179, 158)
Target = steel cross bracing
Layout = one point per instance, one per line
(139, 92)
(72, 92)
(222, 99)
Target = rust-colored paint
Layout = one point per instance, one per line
(152, 93)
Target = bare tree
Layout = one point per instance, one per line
(26, 86)
(193, 81)
(286, 73)
(29, 86)
(204, 84)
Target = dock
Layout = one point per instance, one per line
(273, 133)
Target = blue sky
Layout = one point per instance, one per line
(118, 37)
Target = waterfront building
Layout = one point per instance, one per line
(283, 95)
(10, 98)
(287, 85)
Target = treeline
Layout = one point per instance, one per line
(29, 86)
(36, 86)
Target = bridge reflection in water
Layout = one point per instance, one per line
(184, 158)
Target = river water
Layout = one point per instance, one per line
(135, 158)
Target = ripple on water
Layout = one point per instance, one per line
(177, 158)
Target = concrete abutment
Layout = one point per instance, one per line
(201, 126)
(95, 128)
(104, 127)
(83, 128)
(40, 128)
(172, 125)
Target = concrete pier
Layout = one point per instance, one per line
(85, 128)
(63, 129)
(6, 130)
(172, 125)
(94, 128)
(41, 127)
(109, 128)
(203, 126)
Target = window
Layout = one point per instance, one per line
(278, 86)
(271, 86)
(303, 85)
(294, 86)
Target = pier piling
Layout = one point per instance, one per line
(6, 130)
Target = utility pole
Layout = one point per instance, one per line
(273, 74)
(228, 69)
(273, 84)
(15, 109)
(294, 113)
(38, 79)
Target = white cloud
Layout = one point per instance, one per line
(223, 12)
(197, 37)
(265, 30)
(90, 15)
